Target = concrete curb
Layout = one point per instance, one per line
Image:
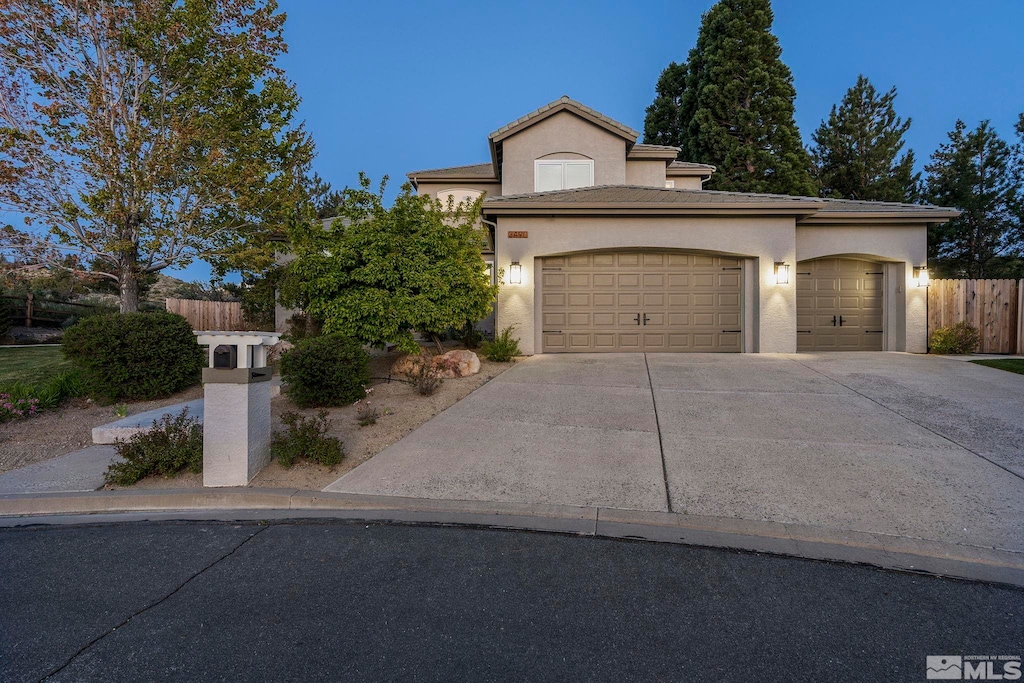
(795, 540)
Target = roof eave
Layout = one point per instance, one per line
(879, 217)
(651, 155)
(647, 209)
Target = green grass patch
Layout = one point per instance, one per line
(1008, 364)
(31, 365)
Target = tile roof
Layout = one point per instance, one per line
(644, 147)
(863, 206)
(564, 103)
(482, 171)
(690, 165)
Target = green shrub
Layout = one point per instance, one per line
(45, 395)
(174, 444)
(326, 371)
(503, 348)
(306, 438)
(135, 356)
(958, 339)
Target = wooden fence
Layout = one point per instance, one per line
(209, 315)
(32, 311)
(992, 306)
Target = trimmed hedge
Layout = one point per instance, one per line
(332, 370)
(135, 356)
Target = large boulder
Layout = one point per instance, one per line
(458, 363)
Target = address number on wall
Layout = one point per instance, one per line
(518, 234)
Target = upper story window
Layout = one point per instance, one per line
(556, 174)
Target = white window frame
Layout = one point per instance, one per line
(563, 163)
(670, 184)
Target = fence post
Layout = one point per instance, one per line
(28, 309)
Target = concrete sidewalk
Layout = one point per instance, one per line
(885, 443)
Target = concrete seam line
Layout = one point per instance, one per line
(912, 421)
(153, 604)
(661, 445)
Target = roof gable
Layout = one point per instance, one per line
(564, 103)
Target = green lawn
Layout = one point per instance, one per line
(31, 365)
(1008, 364)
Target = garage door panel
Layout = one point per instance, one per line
(688, 300)
(839, 305)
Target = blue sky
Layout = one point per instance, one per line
(393, 87)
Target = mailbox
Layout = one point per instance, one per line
(236, 406)
(225, 357)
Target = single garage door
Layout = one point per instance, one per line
(839, 305)
(641, 301)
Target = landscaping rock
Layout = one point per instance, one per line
(275, 352)
(458, 363)
(465, 362)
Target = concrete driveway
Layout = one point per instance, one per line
(899, 444)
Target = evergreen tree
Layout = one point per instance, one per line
(978, 173)
(736, 109)
(662, 123)
(856, 152)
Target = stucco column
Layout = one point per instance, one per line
(777, 303)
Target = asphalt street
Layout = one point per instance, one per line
(356, 602)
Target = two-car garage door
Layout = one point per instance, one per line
(641, 301)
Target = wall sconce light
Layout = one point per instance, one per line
(921, 276)
(781, 273)
(515, 274)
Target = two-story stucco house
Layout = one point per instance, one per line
(607, 244)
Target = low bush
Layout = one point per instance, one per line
(23, 399)
(504, 347)
(11, 407)
(958, 339)
(6, 321)
(427, 372)
(174, 444)
(135, 356)
(326, 371)
(306, 438)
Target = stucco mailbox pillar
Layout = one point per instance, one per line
(236, 406)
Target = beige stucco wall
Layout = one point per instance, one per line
(646, 173)
(900, 247)
(687, 182)
(771, 327)
(563, 132)
(432, 187)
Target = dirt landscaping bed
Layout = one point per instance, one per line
(401, 411)
(66, 429)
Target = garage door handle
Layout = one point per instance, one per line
(833, 321)
(840, 321)
(637, 318)
(646, 319)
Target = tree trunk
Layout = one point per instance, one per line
(129, 285)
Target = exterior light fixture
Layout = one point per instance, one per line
(921, 276)
(515, 274)
(781, 273)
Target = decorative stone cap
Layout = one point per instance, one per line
(250, 348)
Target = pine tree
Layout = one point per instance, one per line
(737, 108)
(662, 123)
(856, 152)
(978, 173)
